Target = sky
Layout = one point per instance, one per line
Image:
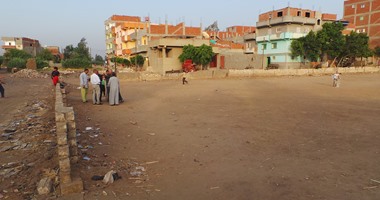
(62, 23)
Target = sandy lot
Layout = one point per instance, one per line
(260, 138)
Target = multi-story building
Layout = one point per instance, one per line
(365, 15)
(113, 36)
(31, 46)
(276, 30)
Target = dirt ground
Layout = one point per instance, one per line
(259, 138)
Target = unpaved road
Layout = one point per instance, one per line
(261, 138)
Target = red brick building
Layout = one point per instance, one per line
(365, 15)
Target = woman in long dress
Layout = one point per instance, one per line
(113, 84)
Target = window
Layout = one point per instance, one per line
(299, 13)
(362, 6)
(318, 22)
(10, 44)
(264, 46)
(274, 45)
(361, 18)
(307, 14)
(279, 14)
(353, 6)
(363, 31)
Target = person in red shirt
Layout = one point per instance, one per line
(55, 76)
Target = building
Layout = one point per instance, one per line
(276, 30)
(365, 15)
(31, 46)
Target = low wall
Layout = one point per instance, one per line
(224, 73)
(67, 144)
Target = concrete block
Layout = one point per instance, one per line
(64, 177)
(70, 115)
(76, 186)
(63, 151)
(59, 116)
(64, 164)
(61, 139)
(45, 186)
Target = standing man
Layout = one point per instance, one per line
(84, 85)
(95, 81)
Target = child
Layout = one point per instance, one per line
(336, 78)
(2, 90)
(184, 76)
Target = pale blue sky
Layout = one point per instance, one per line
(61, 23)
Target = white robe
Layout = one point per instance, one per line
(113, 84)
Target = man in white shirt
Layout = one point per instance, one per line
(95, 81)
(84, 85)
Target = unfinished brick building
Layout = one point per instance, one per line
(365, 14)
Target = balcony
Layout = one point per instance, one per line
(139, 49)
(250, 37)
(286, 20)
(8, 47)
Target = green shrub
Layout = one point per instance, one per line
(19, 63)
(76, 63)
(41, 63)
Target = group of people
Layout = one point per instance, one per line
(103, 85)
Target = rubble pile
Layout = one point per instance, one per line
(27, 146)
(29, 73)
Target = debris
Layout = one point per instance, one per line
(140, 168)
(152, 162)
(213, 188)
(110, 177)
(376, 181)
(97, 178)
(6, 148)
(10, 130)
(44, 186)
(86, 158)
(89, 129)
(135, 173)
(132, 122)
(29, 73)
(151, 134)
(105, 193)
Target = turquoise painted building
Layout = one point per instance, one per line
(276, 30)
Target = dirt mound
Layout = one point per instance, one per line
(29, 73)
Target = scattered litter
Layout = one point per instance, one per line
(105, 193)
(152, 162)
(89, 129)
(86, 158)
(376, 181)
(135, 173)
(133, 122)
(140, 168)
(151, 134)
(213, 188)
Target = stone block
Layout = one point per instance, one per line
(64, 177)
(76, 186)
(64, 165)
(61, 139)
(63, 151)
(45, 186)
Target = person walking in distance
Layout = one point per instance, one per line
(84, 85)
(184, 77)
(2, 90)
(95, 82)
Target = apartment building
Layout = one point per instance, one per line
(31, 46)
(365, 15)
(276, 30)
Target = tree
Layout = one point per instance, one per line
(46, 55)
(98, 60)
(199, 55)
(331, 40)
(78, 57)
(311, 46)
(188, 52)
(356, 45)
(203, 56)
(1, 60)
(296, 48)
(16, 53)
(138, 61)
